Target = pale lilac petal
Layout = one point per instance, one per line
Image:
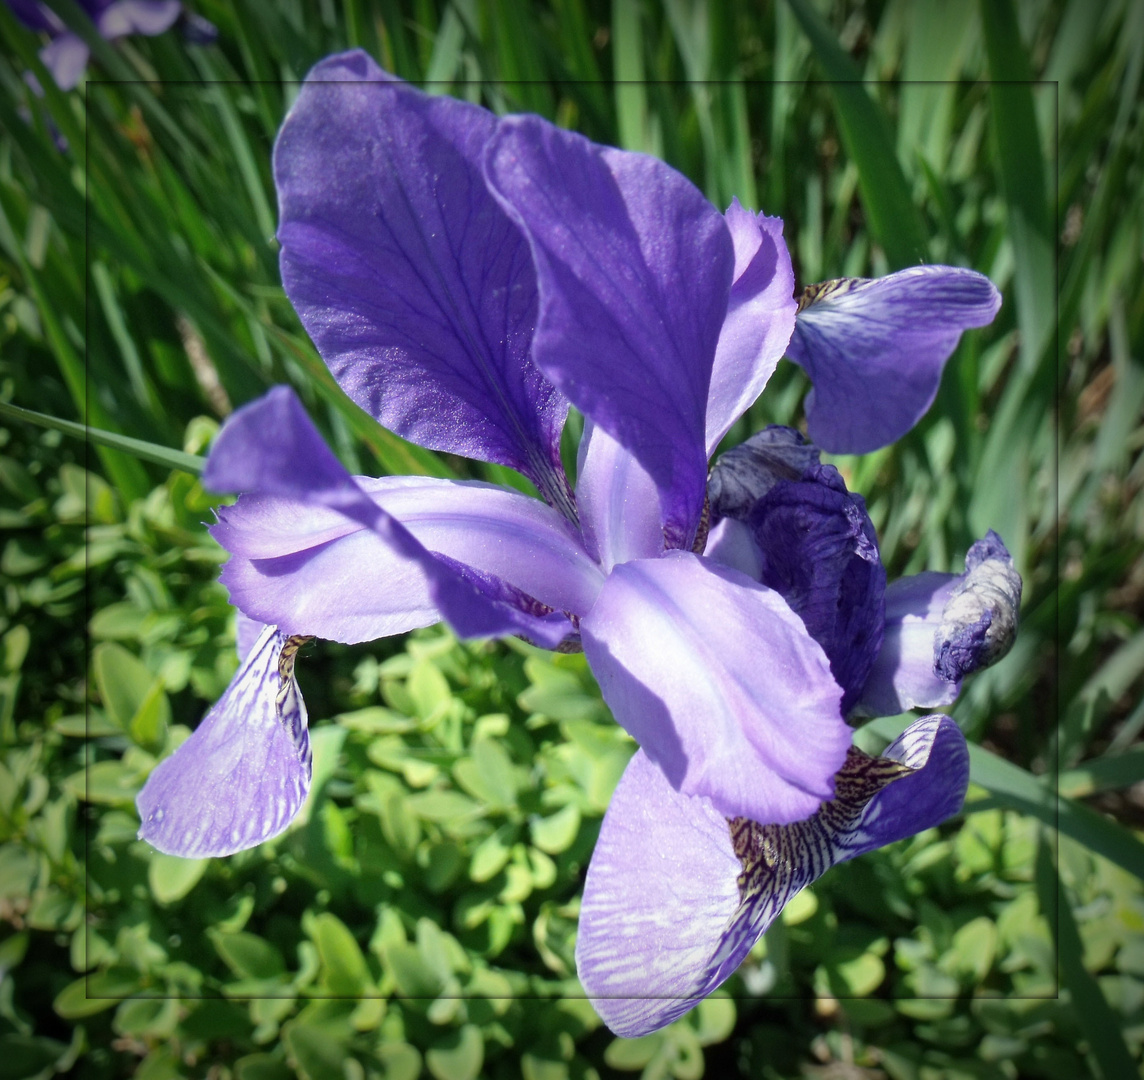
(617, 501)
(244, 772)
(247, 631)
(634, 268)
(149, 17)
(676, 895)
(415, 286)
(305, 566)
(732, 544)
(820, 553)
(66, 58)
(719, 682)
(270, 447)
(875, 350)
(745, 473)
(942, 627)
(760, 319)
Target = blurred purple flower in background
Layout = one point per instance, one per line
(66, 55)
(467, 279)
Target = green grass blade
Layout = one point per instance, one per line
(1099, 1023)
(145, 451)
(1014, 788)
(894, 219)
(1020, 162)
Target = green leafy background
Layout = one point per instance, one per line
(419, 919)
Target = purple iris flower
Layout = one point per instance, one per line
(66, 55)
(466, 279)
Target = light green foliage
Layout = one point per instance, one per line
(419, 918)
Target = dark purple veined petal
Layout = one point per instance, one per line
(66, 58)
(820, 553)
(308, 567)
(745, 473)
(270, 447)
(759, 321)
(634, 268)
(719, 682)
(417, 289)
(244, 772)
(617, 501)
(676, 895)
(942, 627)
(149, 17)
(875, 349)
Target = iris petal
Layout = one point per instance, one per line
(309, 568)
(244, 772)
(270, 447)
(415, 286)
(875, 350)
(634, 269)
(759, 321)
(676, 895)
(719, 682)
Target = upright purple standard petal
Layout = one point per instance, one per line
(875, 349)
(415, 286)
(634, 267)
(759, 321)
(820, 553)
(270, 447)
(719, 682)
(244, 773)
(677, 895)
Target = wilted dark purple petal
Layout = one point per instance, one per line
(979, 623)
(820, 552)
(417, 289)
(244, 773)
(270, 447)
(303, 566)
(676, 895)
(875, 350)
(903, 675)
(719, 682)
(745, 473)
(759, 321)
(634, 267)
(617, 501)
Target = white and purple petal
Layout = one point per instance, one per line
(677, 895)
(270, 447)
(417, 289)
(244, 772)
(942, 627)
(759, 321)
(634, 268)
(309, 567)
(875, 349)
(719, 682)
